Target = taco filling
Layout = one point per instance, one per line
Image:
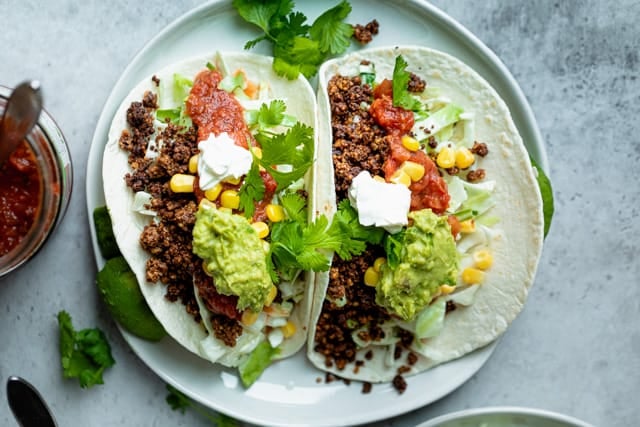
(406, 156)
(219, 169)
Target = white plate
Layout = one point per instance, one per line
(289, 392)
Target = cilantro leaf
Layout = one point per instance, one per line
(252, 190)
(401, 95)
(84, 354)
(294, 148)
(295, 206)
(297, 47)
(393, 247)
(179, 401)
(333, 35)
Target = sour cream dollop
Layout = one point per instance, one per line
(378, 203)
(220, 158)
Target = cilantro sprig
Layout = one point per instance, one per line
(298, 245)
(297, 46)
(401, 95)
(179, 401)
(84, 354)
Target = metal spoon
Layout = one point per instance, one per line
(27, 405)
(20, 114)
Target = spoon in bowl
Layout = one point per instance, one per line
(20, 115)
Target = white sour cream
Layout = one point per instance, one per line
(379, 203)
(221, 158)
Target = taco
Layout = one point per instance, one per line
(207, 162)
(426, 154)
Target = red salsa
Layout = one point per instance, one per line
(216, 111)
(20, 193)
(431, 190)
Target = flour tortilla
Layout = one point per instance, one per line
(518, 205)
(128, 225)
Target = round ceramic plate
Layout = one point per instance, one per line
(292, 392)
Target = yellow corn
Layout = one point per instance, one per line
(371, 277)
(378, 263)
(275, 213)
(249, 317)
(233, 181)
(181, 183)
(288, 329)
(401, 177)
(273, 291)
(378, 178)
(193, 164)
(446, 158)
(413, 169)
(261, 228)
(464, 158)
(257, 151)
(446, 289)
(213, 193)
(230, 199)
(468, 226)
(472, 276)
(410, 143)
(483, 259)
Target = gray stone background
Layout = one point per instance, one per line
(574, 349)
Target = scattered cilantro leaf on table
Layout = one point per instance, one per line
(297, 46)
(84, 354)
(178, 401)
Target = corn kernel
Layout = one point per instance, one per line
(377, 264)
(193, 164)
(230, 199)
(472, 276)
(401, 177)
(410, 143)
(288, 329)
(275, 213)
(273, 291)
(483, 259)
(213, 193)
(413, 169)
(468, 226)
(464, 158)
(181, 183)
(446, 289)
(446, 158)
(378, 178)
(371, 277)
(261, 228)
(257, 151)
(232, 180)
(249, 317)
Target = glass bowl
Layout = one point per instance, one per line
(48, 144)
(504, 416)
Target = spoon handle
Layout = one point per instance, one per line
(27, 405)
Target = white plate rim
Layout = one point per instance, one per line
(93, 180)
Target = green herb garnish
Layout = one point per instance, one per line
(297, 47)
(178, 401)
(84, 354)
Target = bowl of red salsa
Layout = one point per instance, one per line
(35, 188)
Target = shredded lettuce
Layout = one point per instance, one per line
(259, 359)
(442, 118)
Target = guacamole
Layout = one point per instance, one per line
(233, 253)
(428, 259)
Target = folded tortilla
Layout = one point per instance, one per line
(501, 297)
(128, 224)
